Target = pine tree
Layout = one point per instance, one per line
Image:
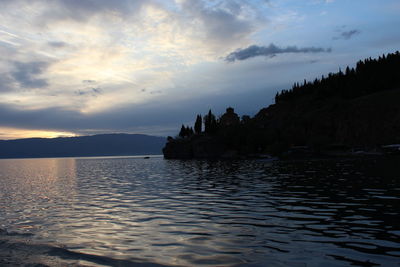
(182, 132)
(213, 125)
(347, 71)
(210, 123)
(277, 97)
(190, 131)
(198, 125)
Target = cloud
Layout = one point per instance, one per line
(125, 119)
(271, 51)
(84, 10)
(225, 21)
(88, 81)
(94, 92)
(57, 44)
(346, 35)
(161, 112)
(25, 74)
(152, 56)
(5, 82)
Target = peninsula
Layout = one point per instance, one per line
(356, 110)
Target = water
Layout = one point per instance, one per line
(190, 213)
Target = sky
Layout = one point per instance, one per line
(83, 67)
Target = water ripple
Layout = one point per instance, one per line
(189, 213)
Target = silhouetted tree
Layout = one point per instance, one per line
(190, 131)
(369, 76)
(198, 125)
(182, 132)
(210, 123)
(277, 97)
(246, 119)
(185, 131)
(272, 130)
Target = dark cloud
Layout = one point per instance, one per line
(57, 44)
(83, 10)
(78, 10)
(221, 25)
(80, 92)
(94, 6)
(223, 21)
(90, 92)
(346, 35)
(156, 92)
(122, 119)
(88, 81)
(270, 51)
(25, 74)
(97, 90)
(5, 82)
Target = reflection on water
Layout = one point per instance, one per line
(209, 213)
(30, 190)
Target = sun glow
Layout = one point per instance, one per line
(14, 133)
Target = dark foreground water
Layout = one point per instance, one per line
(190, 213)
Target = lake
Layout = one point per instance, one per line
(191, 213)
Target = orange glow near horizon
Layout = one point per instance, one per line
(15, 133)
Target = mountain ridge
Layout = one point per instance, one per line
(116, 144)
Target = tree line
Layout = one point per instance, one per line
(278, 127)
(210, 126)
(369, 76)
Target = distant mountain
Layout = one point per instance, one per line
(96, 145)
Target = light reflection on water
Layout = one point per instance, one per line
(212, 213)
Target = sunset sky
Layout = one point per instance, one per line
(78, 67)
